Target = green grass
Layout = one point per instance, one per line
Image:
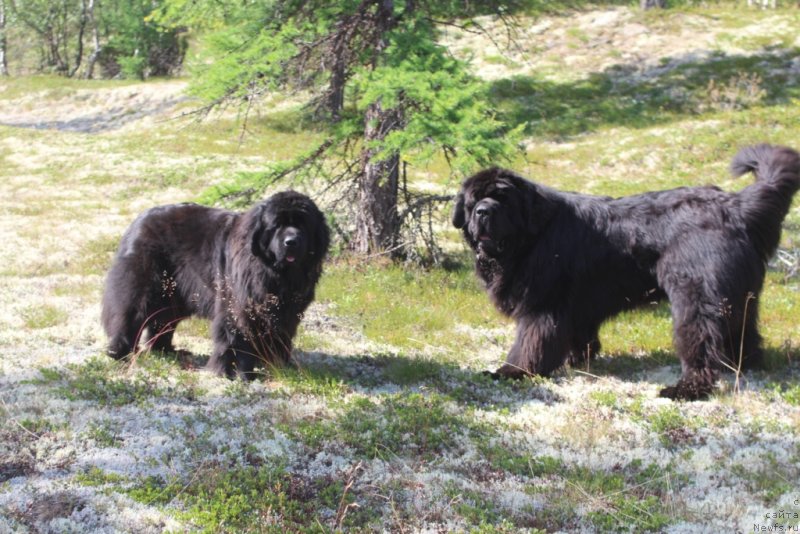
(407, 371)
(102, 380)
(43, 316)
(104, 433)
(36, 426)
(672, 426)
(81, 288)
(94, 476)
(475, 507)
(403, 424)
(631, 497)
(645, 330)
(52, 87)
(96, 256)
(321, 381)
(605, 398)
(110, 383)
(770, 480)
(394, 304)
(266, 498)
(552, 109)
(790, 393)
(278, 135)
(505, 459)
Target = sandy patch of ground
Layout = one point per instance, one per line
(94, 111)
(597, 40)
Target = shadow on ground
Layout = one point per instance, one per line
(634, 96)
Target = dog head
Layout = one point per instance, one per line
(289, 232)
(498, 209)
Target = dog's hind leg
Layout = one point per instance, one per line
(165, 309)
(163, 316)
(752, 357)
(745, 341)
(137, 300)
(162, 330)
(699, 336)
(712, 280)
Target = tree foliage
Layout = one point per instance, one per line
(390, 95)
(135, 45)
(3, 39)
(124, 40)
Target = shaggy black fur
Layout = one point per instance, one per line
(253, 274)
(561, 263)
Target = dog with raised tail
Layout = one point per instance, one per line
(562, 263)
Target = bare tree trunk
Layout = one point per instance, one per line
(341, 54)
(62, 39)
(3, 41)
(335, 102)
(95, 42)
(81, 29)
(377, 220)
(54, 58)
(52, 28)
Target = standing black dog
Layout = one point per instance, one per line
(562, 263)
(253, 274)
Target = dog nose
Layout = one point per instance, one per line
(290, 241)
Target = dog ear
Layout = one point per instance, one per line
(257, 228)
(322, 235)
(537, 205)
(459, 217)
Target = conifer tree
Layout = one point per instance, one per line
(389, 91)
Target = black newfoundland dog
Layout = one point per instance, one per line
(562, 263)
(253, 274)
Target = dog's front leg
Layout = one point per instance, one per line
(232, 355)
(233, 360)
(539, 348)
(243, 359)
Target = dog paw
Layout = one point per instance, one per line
(670, 392)
(507, 372)
(683, 392)
(492, 375)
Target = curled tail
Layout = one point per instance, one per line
(766, 202)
